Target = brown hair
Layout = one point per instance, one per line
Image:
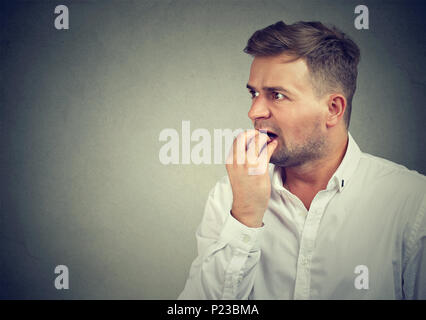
(331, 56)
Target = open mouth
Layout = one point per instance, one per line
(271, 136)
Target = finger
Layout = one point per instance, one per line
(263, 159)
(240, 146)
(255, 147)
(251, 135)
(260, 132)
(263, 141)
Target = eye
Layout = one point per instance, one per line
(278, 96)
(253, 93)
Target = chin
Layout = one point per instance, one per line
(282, 161)
(274, 161)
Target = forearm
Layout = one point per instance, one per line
(225, 267)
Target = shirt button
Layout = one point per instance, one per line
(246, 238)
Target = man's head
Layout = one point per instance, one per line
(302, 81)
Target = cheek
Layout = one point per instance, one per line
(297, 123)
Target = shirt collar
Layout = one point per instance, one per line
(348, 165)
(340, 178)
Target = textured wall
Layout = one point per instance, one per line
(82, 109)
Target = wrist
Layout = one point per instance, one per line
(250, 220)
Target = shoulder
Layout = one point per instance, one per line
(403, 192)
(390, 176)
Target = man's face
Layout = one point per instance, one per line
(284, 103)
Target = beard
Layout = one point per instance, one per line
(295, 155)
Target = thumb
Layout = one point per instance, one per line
(271, 148)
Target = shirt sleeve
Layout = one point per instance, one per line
(414, 275)
(228, 252)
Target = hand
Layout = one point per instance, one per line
(247, 167)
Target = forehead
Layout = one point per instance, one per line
(283, 70)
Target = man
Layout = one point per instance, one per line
(325, 221)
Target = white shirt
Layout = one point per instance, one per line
(364, 237)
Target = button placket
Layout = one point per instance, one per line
(307, 244)
(245, 238)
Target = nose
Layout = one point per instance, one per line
(259, 108)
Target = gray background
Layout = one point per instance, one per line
(82, 109)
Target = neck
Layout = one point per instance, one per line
(313, 176)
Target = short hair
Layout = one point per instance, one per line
(331, 56)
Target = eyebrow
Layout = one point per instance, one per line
(269, 89)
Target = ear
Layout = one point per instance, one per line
(336, 109)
